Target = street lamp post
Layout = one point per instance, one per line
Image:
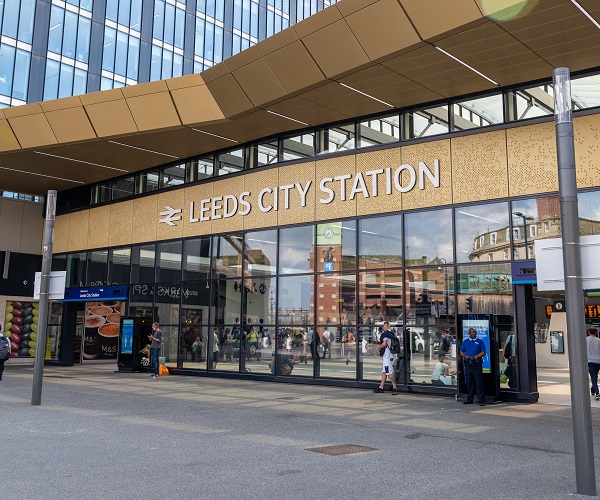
(525, 219)
(585, 473)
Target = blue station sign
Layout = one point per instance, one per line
(96, 293)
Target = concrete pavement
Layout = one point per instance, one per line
(100, 434)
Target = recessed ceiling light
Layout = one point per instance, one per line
(215, 135)
(79, 161)
(367, 95)
(466, 65)
(286, 117)
(143, 149)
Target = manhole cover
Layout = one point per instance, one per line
(341, 449)
(289, 398)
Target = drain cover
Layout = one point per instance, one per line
(341, 449)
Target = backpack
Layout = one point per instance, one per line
(4, 349)
(395, 347)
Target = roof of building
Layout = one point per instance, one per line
(354, 58)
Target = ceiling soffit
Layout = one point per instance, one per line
(308, 74)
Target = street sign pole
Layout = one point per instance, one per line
(40, 345)
(583, 438)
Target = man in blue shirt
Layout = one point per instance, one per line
(472, 351)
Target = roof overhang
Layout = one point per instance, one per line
(327, 68)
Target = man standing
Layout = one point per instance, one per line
(155, 338)
(472, 351)
(326, 343)
(387, 370)
(593, 356)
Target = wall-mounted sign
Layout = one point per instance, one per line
(95, 293)
(557, 343)
(372, 183)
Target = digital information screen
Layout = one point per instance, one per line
(127, 337)
(482, 327)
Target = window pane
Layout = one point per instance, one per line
(133, 58)
(112, 7)
(172, 176)
(478, 112)
(149, 181)
(7, 62)
(379, 131)
(336, 299)
(11, 14)
(76, 265)
(425, 122)
(123, 187)
(481, 232)
(201, 168)
(227, 255)
(65, 84)
(51, 80)
(80, 82)
(196, 261)
(589, 216)
(259, 301)
(142, 264)
(226, 301)
(490, 287)
(56, 30)
(261, 253)
(380, 242)
(537, 218)
(70, 34)
(296, 250)
(300, 146)
(26, 20)
(380, 299)
(259, 155)
(167, 298)
(336, 246)
(97, 268)
(339, 138)
(533, 102)
(136, 14)
(169, 261)
(124, 7)
(294, 305)
(83, 39)
(231, 161)
(121, 54)
(429, 296)
(585, 92)
(428, 237)
(119, 265)
(108, 55)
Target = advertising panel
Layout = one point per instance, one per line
(21, 327)
(482, 327)
(101, 329)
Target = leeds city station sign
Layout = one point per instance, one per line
(372, 183)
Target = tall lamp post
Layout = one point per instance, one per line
(585, 473)
(525, 219)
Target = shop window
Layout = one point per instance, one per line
(383, 130)
(297, 147)
(380, 242)
(421, 229)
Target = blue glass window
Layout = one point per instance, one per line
(112, 9)
(65, 84)
(169, 31)
(11, 14)
(177, 65)
(56, 28)
(21, 75)
(87, 5)
(110, 42)
(51, 79)
(159, 19)
(83, 39)
(80, 82)
(155, 63)
(70, 34)
(136, 14)
(26, 20)
(179, 28)
(133, 58)
(124, 9)
(167, 64)
(121, 55)
(7, 64)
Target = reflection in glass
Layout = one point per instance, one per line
(533, 219)
(334, 139)
(226, 301)
(166, 299)
(479, 112)
(123, 187)
(296, 250)
(428, 237)
(531, 102)
(585, 92)
(170, 338)
(76, 266)
(430, 296)
(433, 355)
(295, 354)
(425, 122)
(230, 161)
(294, 305)
(227, 255)
(481, 232)
(381, 130)
(589, 213)
(336, 299)
(488, 285)
(259, 155)
(259, 300)
(119, 260)
(196, 258)
(142, 264)
(300, 146)
(200, 168)
(261, 253)
(338, 351)
(380, 242)
(97, 267)
(380, 299)
(169, 261)
(172, 176)
(336, 246)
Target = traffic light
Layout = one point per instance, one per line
(470, 304)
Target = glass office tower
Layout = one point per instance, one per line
(53, 49)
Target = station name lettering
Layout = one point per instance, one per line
(372, 183)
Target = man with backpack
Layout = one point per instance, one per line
(4, 350)
(389, 343)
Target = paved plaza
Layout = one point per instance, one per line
(101, 434)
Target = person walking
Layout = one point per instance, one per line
(326, 343)
(472, 351)
(387, 370)
(155, 337)
(593, 357)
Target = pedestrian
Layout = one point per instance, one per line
(387, 370)
(216, 347)
(348, 344)
(472, 351)
(4, 350)
(593, 357)
(326, 343)
(155, 337)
